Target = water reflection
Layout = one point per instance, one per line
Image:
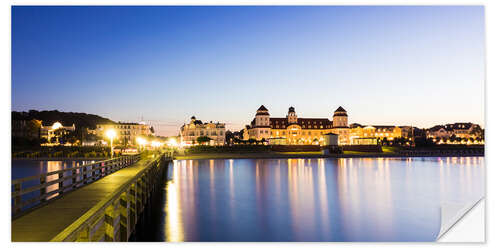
(174, 228)
(316, 199)
(28, 168)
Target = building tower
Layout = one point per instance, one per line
(340, 118)
(292, 117)
(262, 128)
(340, 125)
(262, 117)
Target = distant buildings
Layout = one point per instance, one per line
(376, 132)
(457, 130)
(294, 130)
(34, 129)
(197, 129)
(127, 132)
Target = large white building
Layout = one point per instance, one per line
(196, 128)
(127, 132)
(295, 130)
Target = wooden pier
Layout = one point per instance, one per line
(105, 210)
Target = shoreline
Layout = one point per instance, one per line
(209, 156)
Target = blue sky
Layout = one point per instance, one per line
(385, 65)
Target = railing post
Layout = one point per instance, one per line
(84, 174)
(17, 200)
(133, 204)
(61, 183)
(124, 216)
(43, 190)
(84, 235)
(73, 173)
(93, 172)
(110, 221)
(108, 168)
(140, 195)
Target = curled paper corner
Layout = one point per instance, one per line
(451, 213)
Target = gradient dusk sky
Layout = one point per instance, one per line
(409, 65)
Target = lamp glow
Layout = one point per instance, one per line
(172, 142)
(111, 134)
(156, 144)
(56, 125)
(141, 141)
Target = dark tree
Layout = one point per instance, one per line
(203, 139)
(229, 137)
(385, 141)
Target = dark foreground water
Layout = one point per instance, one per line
(310, 199)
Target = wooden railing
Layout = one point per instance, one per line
(114, 217)
(52, 184)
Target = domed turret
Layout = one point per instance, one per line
(292, 117)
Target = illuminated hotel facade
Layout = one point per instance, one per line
(196, 128)
(359, 132)
(293, 130)
(127, 132)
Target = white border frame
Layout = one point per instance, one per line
(492, 10)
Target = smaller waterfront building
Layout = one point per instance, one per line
(361, 134)
(330, 139)
(53, 132)
(190, 132)
(459, 130)
(127, 132)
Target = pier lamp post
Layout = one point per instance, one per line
(111, 134)
(141, 142)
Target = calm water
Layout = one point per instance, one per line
(310, 199)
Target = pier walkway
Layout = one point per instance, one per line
(104, 210)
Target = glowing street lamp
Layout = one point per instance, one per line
(56, 125)
(172, 142)
(111, 134)
(141, 142)
(156, 144)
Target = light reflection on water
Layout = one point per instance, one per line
(361, 199)
(28, 168)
